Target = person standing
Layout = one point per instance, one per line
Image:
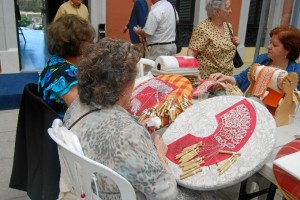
(211, 42)
(159, 29)
(283, 51)
(75, 7)
(138, 18)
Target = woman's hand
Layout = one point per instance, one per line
(235, 40)
(222, 78)
(192, 52)
(162, 149)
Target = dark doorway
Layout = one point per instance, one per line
(186, 10)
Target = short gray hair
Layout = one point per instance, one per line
(213, 5)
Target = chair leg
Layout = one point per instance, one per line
(243, 195)
(21, 32)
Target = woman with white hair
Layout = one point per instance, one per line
(211, 42)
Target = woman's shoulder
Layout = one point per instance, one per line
(204, 26)
(293, 67)
(262, 59)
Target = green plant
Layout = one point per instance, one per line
(25, 21)
(40, 28)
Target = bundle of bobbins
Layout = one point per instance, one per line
(167, 111)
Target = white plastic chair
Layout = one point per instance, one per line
(141, 65)
(82, 169)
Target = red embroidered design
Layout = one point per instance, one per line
(235, 126)
(148, 94)
(263, 79)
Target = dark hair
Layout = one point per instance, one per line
(107, 68)
(290, 38)
(68, 34)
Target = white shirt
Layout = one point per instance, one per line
(161, 23)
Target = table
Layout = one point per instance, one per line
(289, 185)
(283, 136)
(200, 120)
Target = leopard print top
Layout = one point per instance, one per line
(216, 50)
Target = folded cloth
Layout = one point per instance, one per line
(177, 63)
(290, 164)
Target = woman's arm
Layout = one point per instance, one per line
(143, 163)
(71, 95)
(191, 52)
(222, 78)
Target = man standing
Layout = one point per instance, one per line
(138, 17)
(73, 7)
(159, 29)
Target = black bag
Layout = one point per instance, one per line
(237, 60)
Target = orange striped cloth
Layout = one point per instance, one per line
(289, 185)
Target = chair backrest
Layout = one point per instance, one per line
(82, 169)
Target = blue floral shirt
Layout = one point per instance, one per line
(56, 80)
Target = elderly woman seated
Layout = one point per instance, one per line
(109, 134)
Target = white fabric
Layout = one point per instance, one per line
(171, 64)
(72, 141)
(290, 164)
(160, 23)
(200, 120)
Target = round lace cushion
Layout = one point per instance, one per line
(228, 123)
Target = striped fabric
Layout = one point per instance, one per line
(289, 185)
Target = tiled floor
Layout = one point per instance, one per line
(8, 123)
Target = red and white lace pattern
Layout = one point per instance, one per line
(262, 81)
(148, 94)
(235, 126)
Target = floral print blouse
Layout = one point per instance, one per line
(56, 80)
(216, 50)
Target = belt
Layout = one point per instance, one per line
(162, 43)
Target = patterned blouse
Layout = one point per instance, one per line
(216, 50)
(114, 138)
(56, 80)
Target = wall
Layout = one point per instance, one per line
(117, 16)
(8, 38)
(97, 11)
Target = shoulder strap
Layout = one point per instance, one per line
(175, 18)
(82, 116)
(229, 30)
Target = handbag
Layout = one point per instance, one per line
(237, 60)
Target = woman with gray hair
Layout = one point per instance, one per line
(211, 42)
(110, 135)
